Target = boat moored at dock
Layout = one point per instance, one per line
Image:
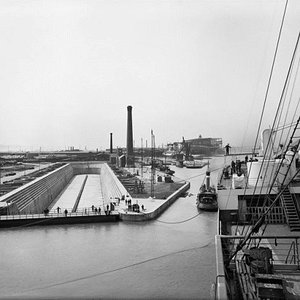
(207, 196)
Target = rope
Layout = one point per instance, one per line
(178, 222)
(116, 269)
(265, 101)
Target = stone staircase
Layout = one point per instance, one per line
(290, 210)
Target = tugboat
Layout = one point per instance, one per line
(207, 196)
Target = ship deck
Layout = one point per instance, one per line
(284, 279)
(285, 263)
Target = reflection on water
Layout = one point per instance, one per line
(158, 259)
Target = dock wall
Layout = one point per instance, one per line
(80, 168)
(138, 217)
(41, 220)
(110, 184)
(38, 194)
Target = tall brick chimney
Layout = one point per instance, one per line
(130, 157)
(111, 143)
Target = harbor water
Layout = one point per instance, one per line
(172, 257)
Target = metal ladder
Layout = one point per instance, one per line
(290, 210)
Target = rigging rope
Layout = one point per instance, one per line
(266, 95)
(271, 74)
(265, 101)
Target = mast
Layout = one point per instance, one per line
(142, 157)
(152, 163)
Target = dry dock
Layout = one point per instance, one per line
(87, 193)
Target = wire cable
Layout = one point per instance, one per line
(178, 222)
(117, 269)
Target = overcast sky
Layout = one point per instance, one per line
(70, 68)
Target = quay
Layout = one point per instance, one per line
(154, 207)
(89, 193)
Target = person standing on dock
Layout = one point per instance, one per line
(227, 149)
(58, 209)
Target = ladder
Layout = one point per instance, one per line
(290, 210)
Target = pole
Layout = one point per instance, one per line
(142, 157)
(152, 164)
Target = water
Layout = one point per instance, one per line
(164, 258)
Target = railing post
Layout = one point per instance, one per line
(297, 253)
(295, 245)
(287, 257)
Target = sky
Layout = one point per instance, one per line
(70, 68)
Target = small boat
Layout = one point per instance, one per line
(194, 164)
(166, 169)
(10, 174)
(179, 163)
(207, 196)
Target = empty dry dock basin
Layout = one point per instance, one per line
(78, 192)
(32, 199)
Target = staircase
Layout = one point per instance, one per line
(290, 211)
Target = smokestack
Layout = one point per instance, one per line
(267, 143)
(111, 143)
(207, 180)
(130, 160)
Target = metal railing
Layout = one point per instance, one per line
(285, 249)
(295, 254)
(55, 214)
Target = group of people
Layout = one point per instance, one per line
(107, 209)
(58, 209)
(95, 209)
(128, 202)
(236, 167)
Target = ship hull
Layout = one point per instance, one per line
(207, 207)
(207, 201)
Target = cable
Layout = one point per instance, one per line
(266, 97)
(178, 222)
(116, 269)
(201, 174)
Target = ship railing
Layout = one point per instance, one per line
(275, 216)
(285, 256)
(285, 249)
(293, 254)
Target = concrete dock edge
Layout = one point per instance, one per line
(142, 216)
